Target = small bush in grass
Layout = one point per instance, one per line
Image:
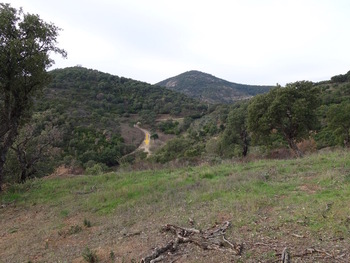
(64, 213)
(71, 231)
(208, 175)
(112, 255)
(94, 170)
(90, 256)
(347, 178)
(74, 230)
(87, 223)
(307, 146)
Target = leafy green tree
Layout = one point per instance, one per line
(148, 117)
(154, 136)
(25, 44)
(289, 112)
(339, 121)
(236, 135)
(178, 148)
(35, 149)
(168, 126)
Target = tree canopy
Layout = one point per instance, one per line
(289, 112)
(339, 121)
(26, 42)
(235, 138)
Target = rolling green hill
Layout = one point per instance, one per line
(97, 103)
(211, 89)
(88, 117)
(93, 90)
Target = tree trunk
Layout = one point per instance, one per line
(244, 137)
(245, 146)
(7, 141)
(245, 150)
(2, 163)
(347, 140)
(3, 154)
(24, 176)
(295, 148)
(22, 159)
(27, 172)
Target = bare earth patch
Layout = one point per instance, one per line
(131, 135)
(40, 235)
(310, 188)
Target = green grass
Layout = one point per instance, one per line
(294, 192)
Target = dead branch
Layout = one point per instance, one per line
(313, 250)
(7, 204)
(158, 252)
(285, 256)
(176, 229)
(298, 236)
(341, 256)
(160, 258)
(309, 251)
(261, 244)
(209, 239)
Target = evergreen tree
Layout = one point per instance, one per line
(236, 137)
(339, 121)
(25, 44)
(289, 112)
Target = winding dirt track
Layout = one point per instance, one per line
(145, 145)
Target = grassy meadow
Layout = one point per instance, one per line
(302, 204)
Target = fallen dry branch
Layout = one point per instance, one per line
(298, 236)
(210, 239)
(132, 234)
(158, 252)
(309, 251)
(7, 204)
(285, 256)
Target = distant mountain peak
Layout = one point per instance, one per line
(209, 88)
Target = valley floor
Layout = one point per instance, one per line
(301, 204)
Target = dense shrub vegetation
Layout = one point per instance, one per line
(81, 111)
(87, 108)
(287, 121)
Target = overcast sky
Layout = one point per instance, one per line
(243, 41)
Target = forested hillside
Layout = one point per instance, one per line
(90, 89)
(78, 122)
(288, 121)
(211, 89)
(334, 112)
(79, 118)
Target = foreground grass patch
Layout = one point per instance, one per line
(270, 203)
(310, 192)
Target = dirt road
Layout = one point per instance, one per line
(145, 145)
